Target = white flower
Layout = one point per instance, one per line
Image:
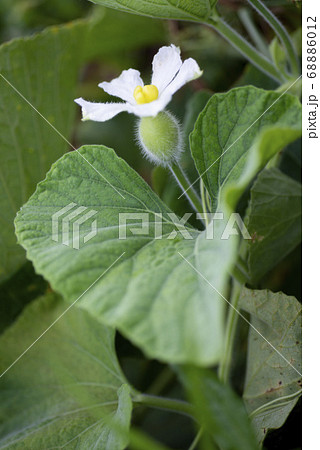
(169, 75)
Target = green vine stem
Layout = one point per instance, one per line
(203, 200)
(161, 382)
(196, 440)
(185, 184)
(225, 365)
(239, 274)
(248, 23)
(281, 32)
(252, 54)
(208, 200)
(239, 279)
(170, 404)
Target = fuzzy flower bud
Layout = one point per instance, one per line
(160, 138)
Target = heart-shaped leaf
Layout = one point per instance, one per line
(161, 289)
(273, 379)
(237, 133)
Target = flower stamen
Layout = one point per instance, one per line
(146, 94)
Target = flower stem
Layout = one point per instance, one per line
(225, 365)
(170, 404)
(281, 32)
(186, 187)
(237, 41)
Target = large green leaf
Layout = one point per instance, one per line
(195, 10)
(44, 69)
(237, 133)
(273, 380)
(151, 293)
(68, 389)
(219, 411)
(274, 220)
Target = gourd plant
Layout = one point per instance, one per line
(120, 260)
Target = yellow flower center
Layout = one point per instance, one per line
(146, 94)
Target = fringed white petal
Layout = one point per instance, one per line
(100, 112)
(189, 71)
(166, 63)
(124, 86)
